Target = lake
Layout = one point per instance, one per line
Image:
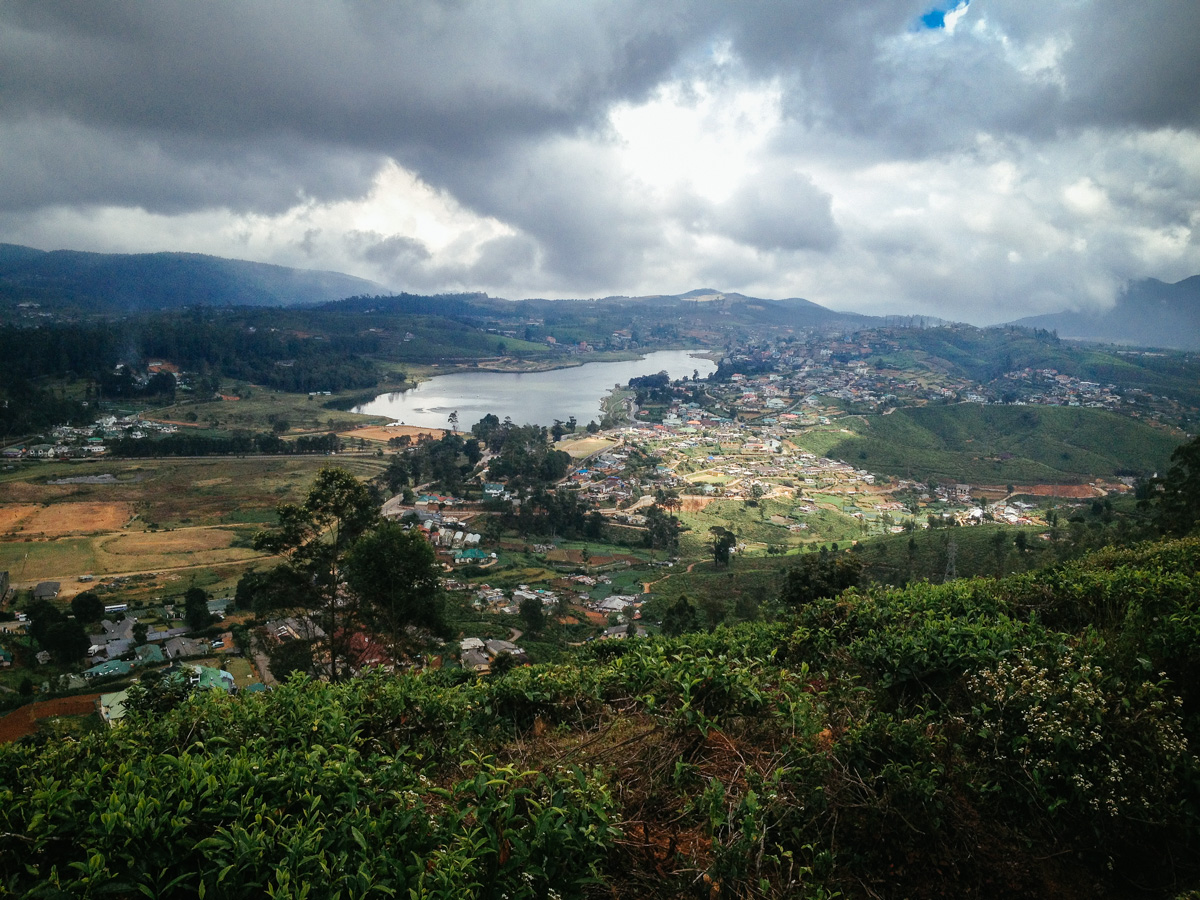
(527, 397)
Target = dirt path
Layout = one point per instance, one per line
(646, 585)
(263, 664)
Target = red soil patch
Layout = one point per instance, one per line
(694, 503)
(23, 721)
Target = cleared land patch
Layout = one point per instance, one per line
(584, 447)
(14, 516)
(78, 518)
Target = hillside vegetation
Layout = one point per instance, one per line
(1004, 444)
(1022, 737)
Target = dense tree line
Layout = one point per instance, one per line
(236, 443)
(561, 513)
(26, 408)
(652, 388)
(246, 347)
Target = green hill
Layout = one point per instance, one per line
(996, 444)
(1009, 738)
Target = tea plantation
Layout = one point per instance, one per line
(1027, 737)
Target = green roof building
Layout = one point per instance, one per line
(111, 667)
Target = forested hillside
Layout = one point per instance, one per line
(1028, 737)
(118, 282)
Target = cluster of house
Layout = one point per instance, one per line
(115, 649)
(1049, 387)
(89, 440)
(604, 480)
(626, 607)
(450, 537)
(477, 655)
(359, 650)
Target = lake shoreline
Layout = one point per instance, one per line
(526, 394)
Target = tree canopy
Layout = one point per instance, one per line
(1178, 510)
(87, 607)
(819, 575)
(394, 572)
(349, 570)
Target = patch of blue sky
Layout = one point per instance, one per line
(938, 18)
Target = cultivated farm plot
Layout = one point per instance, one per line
(23, 721)
(57, 532)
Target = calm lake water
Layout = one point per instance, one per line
(527, 397)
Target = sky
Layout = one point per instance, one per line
(977, 162)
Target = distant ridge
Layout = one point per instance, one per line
(139, 281)
(794, 311)
(1150, 313)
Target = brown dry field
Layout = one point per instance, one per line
(384, 433)
(695, 502)
(23, 721)
(174, 492)
(155, 543)
(13, 516)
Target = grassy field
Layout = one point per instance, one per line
(752, 524)
(585, 446)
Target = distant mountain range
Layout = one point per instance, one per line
(1150, 313)
(136, 281)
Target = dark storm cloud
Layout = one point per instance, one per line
(395, 253)
(1136, 64)
(867, 69)
(57, 161)
(376, 76)
(424, 81)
